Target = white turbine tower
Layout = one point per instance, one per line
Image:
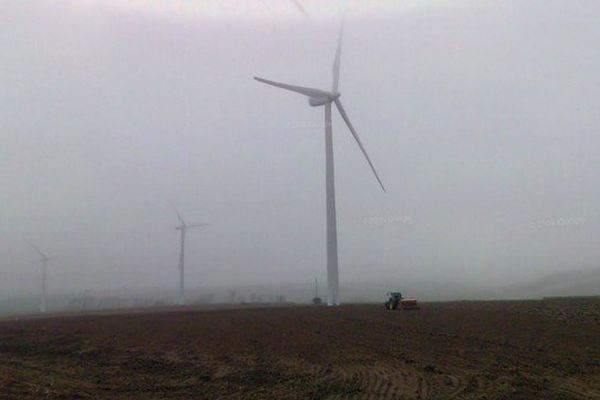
(44, 259)
(183, 228)
(317, 97)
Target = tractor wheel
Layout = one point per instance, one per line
(388, 305)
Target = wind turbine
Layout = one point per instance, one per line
(318, 97)
(183, 228)
(44, 259)
(300, 7)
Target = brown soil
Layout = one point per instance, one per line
(469, 350)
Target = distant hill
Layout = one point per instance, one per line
(582, 282)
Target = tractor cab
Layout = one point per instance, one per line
(396, 301)
(393, 300)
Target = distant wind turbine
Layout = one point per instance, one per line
(317, 97)
(300, 7)
(44, 259)
(183, 228)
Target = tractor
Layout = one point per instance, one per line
(396, 301)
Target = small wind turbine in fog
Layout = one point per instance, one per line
(317, 97)
(183, 228)
(44, 259)
(300, 7)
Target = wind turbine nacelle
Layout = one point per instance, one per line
(319, 101)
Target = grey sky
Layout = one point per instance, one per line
(481, 118)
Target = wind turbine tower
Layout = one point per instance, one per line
(316, 98)
(183, 228)
(44, 259)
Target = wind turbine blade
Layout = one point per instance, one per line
(336, 60)
(179, 217)
(41, 254)
(195, 225)
(340, 108)
(310, 92)
(299, 7)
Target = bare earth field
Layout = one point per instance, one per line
(465, 350)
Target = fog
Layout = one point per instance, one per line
(481, 118)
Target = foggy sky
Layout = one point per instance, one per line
(481, 118)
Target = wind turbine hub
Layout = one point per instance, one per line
(326, 98)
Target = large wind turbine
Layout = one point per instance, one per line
(318, 97)
(44, 259)
(183, 228)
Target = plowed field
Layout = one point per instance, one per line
(465, 350)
